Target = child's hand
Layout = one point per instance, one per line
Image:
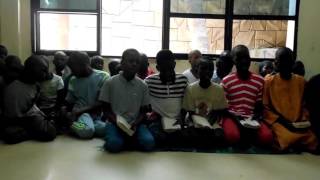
(71, 116)
(111, 118)
(134, 125)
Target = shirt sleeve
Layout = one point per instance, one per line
(221, 101)
(188, 103)
(146, 96)
(60, 84)
(70, 95)
(269, 115)
(260, 94)
(105, 92)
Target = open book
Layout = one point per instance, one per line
(201, 122)
(170, 124)
(250, 123)
(123, 124)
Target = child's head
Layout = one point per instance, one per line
(3, 52)
(205, 70)
(130, 62)
(60, 60)
(241, 58)
(298, 68)
(265, 68)
(194, 59)
(114, 67)
(97, 62)
(79, 63)
(284, 62)
(36, 68)
(224, 64)
(144, 64)
(165, 65)
(13, 68)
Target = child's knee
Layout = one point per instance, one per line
(82, 130)
(147, 143)
(231, 131)
(100, 129)
(114, 144)
(265, 136)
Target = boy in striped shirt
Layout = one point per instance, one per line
(243, 91)
(166, 91)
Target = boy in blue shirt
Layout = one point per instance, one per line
(83, 92)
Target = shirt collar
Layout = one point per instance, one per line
(124, 80)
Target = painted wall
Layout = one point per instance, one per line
(309, 37)
(15, 32)
(15, 25)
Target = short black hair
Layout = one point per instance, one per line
(3, 51)
(80, 57)
(240, 50)
(96, 58)
(226, 57)
(114, 67)
(206, 62)
(164, 56)
(285, 53)
(130, 53)
(298, 68)
(11, 60)
(34, 61)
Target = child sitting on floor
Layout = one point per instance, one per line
(125, 99)
(283, 101)
(243, 90)
(166, 93)
(83, 92)
(205, 101)
(22, 118)
(51, 96)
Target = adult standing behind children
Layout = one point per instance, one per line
(127, 96)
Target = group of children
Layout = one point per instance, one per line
(133, 107)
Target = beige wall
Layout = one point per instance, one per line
(15, 32)
(309, 37)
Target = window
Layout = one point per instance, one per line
(131, 24)
(108, 27)
(68, 31)
(69, 25)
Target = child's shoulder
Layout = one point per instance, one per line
(100, 73)
(181, 77)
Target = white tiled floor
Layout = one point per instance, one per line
(71, 159)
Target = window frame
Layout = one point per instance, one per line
(35, 25)
(228, 16)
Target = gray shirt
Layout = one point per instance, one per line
(126, 97)
(19, 100)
